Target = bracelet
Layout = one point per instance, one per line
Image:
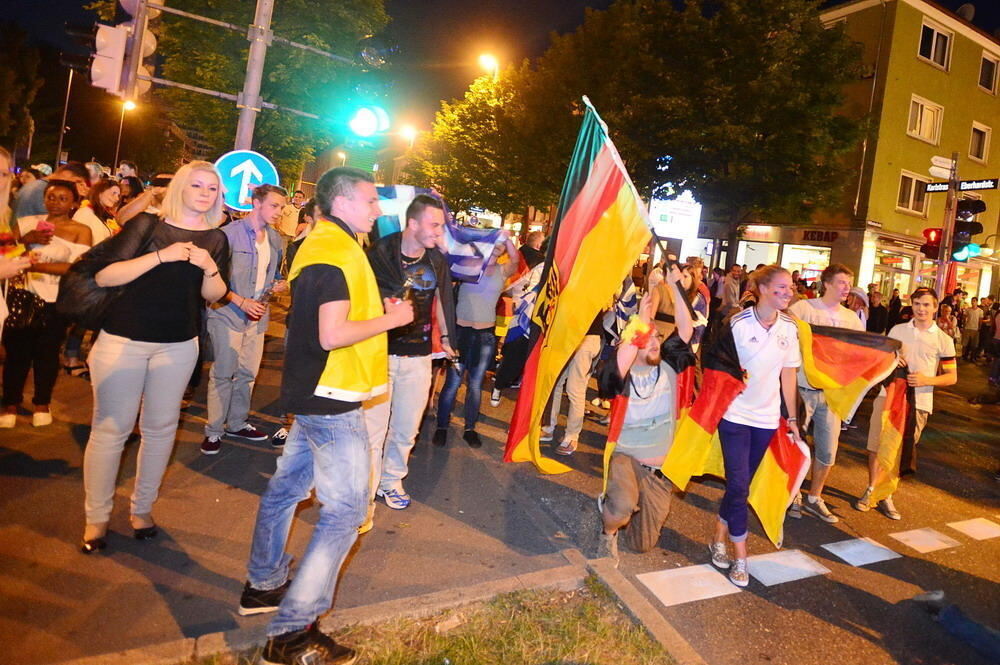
(791, 420)
(158, 256)
(210, 276)
(445, 337)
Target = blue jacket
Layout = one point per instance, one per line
(243, 273)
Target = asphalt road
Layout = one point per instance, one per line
(466, 526)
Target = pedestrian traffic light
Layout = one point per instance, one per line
(368, 121)
(932, 248)
(962, 247)
(106, 44)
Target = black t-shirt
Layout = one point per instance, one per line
(305, 359)
(415, 339)
(163, 305)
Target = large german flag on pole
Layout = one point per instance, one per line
(600, 229)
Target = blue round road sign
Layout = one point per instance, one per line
(242, 171)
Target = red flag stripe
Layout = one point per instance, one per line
(722, 388)
(521, 419)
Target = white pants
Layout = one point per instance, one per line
(393, 419)
(126, 375)
(573, 381)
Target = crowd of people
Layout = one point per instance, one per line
(371, 325)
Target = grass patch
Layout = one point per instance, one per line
(582, 627)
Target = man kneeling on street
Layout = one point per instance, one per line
(637, 495)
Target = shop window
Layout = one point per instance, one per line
(935, 44)
(988, 73)
(912, 194)
(807, 259)
(979, 145)
(925, 120)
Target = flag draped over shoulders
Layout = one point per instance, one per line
(599, 231)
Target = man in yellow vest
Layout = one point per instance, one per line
(335, 358)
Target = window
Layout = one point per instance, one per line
(988, 73)
(979, 146)
(925, 120)
(935, 44)
(912, 195)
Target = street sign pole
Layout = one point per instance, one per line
(948, 226)
(249, 102)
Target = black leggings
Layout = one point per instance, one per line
(37, 349)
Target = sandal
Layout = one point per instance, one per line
(566, 448)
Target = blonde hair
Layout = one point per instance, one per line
(763, 276)
(5, 212)
(173, 200)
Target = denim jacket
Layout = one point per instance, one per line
(243, 273)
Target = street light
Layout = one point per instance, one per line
(343, 157)
(409, 132)
(127, 105)
(490, 64)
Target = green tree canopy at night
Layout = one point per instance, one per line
(19, 83)
(211, 57)
(736, 101)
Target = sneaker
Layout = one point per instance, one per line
(567, 447)
(864, 504)
(738, 574)
(211, 445)
(41, 419)
(278, 438)
(260, 601)
(395, 498)
(607, 547)
(495, 398)
(600, 504)
(248, 432)
(548, 433)
(472, 438)
(818, 509)
(795, 510)
(440, 438)
(887, 508)
(720, 555)
(306, 647)
(8, 420)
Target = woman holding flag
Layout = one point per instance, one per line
(767, 344)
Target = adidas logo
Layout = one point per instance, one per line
(753, 340)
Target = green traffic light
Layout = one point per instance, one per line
(368, 121)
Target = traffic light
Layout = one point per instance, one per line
(962, 247)
(932, 248)
(368, 121)
(107, 45)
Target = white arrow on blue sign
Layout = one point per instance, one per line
(242, 171)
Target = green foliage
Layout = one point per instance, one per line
(737, 101)
(19, 83)
(211, 57)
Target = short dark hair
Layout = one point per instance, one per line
(298, 191)
(924, 291)
(308, 209)
(419, 204)
(260, 192)
(66, 184)
(833, 270)
(339, 181)
(76, 168)
(129, 163)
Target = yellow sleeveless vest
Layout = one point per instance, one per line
(361, 371)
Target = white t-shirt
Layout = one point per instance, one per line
(815, 312)
(263, 258)
(973, 317)
(43, 285)
(923, 351)
(763, 353)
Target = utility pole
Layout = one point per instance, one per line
(948, 228)
(62, 127)
(249, 101)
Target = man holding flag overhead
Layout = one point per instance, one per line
(599, 231)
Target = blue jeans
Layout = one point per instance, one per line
(743, 448)
(476, 349)
(825, 424)
(329, 453)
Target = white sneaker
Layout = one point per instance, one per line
(396, 497)
(795, 510)
(888, 508)
(864, 504)
(41, 419)
(495, 398)
(9, 420)
(818, 509)
(548, 433)
(720, 555)
(738, 574)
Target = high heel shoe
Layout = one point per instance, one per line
(144, 532)
(97, 542)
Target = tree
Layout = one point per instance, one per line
(479, 152)
(211, 57)
(19, 83)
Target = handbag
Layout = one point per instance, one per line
(81, 299)
(24, 308)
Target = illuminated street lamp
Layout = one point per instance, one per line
(490, 64)
(127, 105)
(343, 157)
(409, 132)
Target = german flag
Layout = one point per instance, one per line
(845, 364)
(697, 450)
(600, 229)
(896, 446)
